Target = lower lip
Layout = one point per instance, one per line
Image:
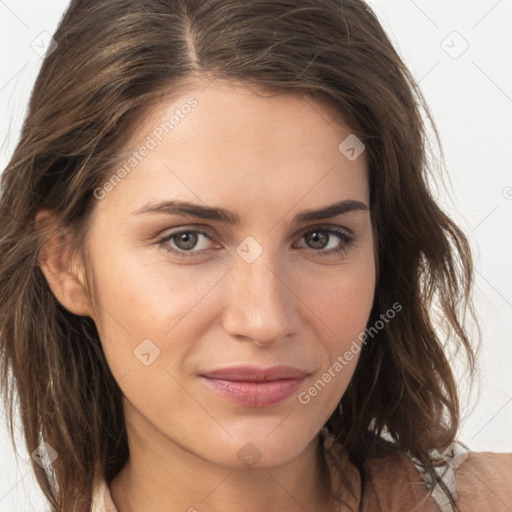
(254, 394)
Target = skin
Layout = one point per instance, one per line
(265, 159)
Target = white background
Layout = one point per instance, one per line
(470, 95)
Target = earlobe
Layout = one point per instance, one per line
(64, 272)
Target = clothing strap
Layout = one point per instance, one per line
(454, 456)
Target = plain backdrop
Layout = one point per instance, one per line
(459, 51)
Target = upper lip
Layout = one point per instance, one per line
(256, 374)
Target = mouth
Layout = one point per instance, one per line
(255, 387)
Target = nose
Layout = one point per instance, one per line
(261, 306)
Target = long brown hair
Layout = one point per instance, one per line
(113, 60)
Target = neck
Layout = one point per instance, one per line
(182, 481)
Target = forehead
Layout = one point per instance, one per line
(224, 142)
(243, 114)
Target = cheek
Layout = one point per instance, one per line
(343, 299)
(342, 306)
(148, 325)
(145, 305)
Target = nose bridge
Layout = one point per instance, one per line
(260, 304)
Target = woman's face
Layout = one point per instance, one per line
(184, 319)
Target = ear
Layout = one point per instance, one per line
(64, 271)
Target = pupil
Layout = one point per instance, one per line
(186, 240)
(317, 237)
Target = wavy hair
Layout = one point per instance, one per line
(116, 59)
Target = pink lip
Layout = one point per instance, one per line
(255, 387)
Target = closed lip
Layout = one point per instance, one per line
(256, 374)
(252, 386)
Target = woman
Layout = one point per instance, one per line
(220, 262)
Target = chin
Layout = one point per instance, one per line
(261, 448)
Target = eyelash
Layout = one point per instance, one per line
(341, 250)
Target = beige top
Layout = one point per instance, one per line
(482, 481)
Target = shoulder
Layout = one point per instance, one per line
(480, 479)
(483, 479)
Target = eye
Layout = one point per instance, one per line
(320, 237)
(181, 243)
(184, 240)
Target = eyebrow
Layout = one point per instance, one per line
(188, 209)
